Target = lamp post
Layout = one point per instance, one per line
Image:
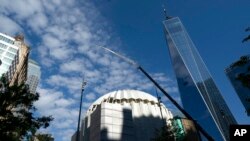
(84, 83)
(163, 91)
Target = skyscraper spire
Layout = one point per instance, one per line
(165, 12)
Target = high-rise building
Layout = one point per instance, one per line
(13, 55)
(199, 94)
(124, 115)
(17, 72)
(8, 51)
(239, 75)
(34, 74)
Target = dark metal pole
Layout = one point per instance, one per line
(80, 110)
(164, 92)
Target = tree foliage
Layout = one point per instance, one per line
(17, 112)
(44, 137)
(245, 79)
(248, 37)
(40, 137)
(166, 133)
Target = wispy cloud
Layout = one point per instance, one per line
(66, 34)
(9, 26)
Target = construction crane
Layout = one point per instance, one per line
(209, 138)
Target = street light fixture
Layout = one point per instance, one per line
(84, 83)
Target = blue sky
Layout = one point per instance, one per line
(216, 28)
(63, 36)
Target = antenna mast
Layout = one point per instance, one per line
(165, 12)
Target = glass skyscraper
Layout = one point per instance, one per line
(199, 94)
(34, 74)
(239, 75)
(8, 51)
(14, 58)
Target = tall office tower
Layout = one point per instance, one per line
(124, 115)
(17, 72)
(8, 51)
(239, 75)
(199, 94)
(34, 74)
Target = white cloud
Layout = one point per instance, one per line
(9, 26)
(65, 124)
(90, 96)
(76, 65)
(72, 83)
(67, 34)
(51, 41)
(66, 134)
(61, 53)
(21, 9)
(38, 22)
(50, 99)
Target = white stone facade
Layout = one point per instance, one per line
(124, 115)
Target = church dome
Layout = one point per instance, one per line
(124, 95)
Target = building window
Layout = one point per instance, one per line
(1, 51)
(7, 60)
(13, 50)
(10, 55)
(3, 46)
(111, 100)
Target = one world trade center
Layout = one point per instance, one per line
(199, 93)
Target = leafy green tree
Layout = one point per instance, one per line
(248, 37)
(41, 137)
(44, 137)
(17, 112)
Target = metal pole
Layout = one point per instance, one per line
(80, 110)
(163, 91)
(159, 104)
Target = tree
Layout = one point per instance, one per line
(248, 37)
(166, 133)
(44, 137)
(245, 79)
(244, 60)
(41, 137)
(16, 112)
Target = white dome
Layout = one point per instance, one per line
(126, 94)
(122, 114)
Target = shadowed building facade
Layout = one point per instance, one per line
(124, 115)
(239, 75)
(199, 94)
